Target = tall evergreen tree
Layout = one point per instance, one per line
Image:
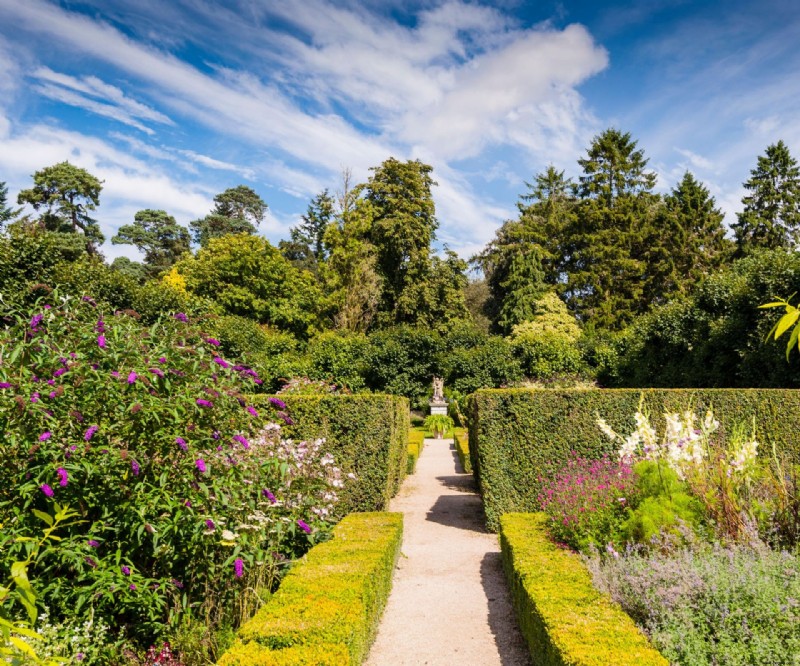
(771, 215)
(608, 271)
(6, 212)
(158, 235)
(66, 194)
(306, 247)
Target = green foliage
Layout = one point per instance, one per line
(439, 424)
(307, 249)
(416, 440)
(716, 337)
(367, 434)
(237, 210)
(491, 363)
(132, 269)
(328, 607)
(339, 357)
(666, 507)
(520, 437)
(66, 194)
(563, 618)
(249, 277)
(771, 215)
(7, 214)
(158, 235)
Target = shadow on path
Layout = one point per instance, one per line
(462, 511)
(502, 619)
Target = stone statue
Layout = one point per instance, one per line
(438, 388)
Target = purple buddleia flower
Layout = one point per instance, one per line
(242, 440)
(132, 587)
(59, 372)
(135, 468)
(280, 404)
(180, 441)
(268, 494)
(132, 377)
(35, 321)
(45, 436)
(35, 397)
(213, 341)
(100, 327)
(47, 490)
(157, 372)
(201, 465)
(252, 411)
(5, 385)
(63, 477)
(221, 362)
(93, 543)
(90, 431)
(162, 359)
(204, 403)
(126, 570)
(180, 316)
(303, 526)
(210, 524)
(101, 341)
(91, 562)
(238, 567)
(115, 374)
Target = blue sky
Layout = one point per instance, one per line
(172, 102)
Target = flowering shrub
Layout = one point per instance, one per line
(587, 502)
(146, 433)
(720, 474)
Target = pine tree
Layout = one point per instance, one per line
(771, 215)
(306, 247)
(158, 235)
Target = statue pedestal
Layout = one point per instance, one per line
(438, 408)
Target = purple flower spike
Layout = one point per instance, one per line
(132, 587)
(132, 377)
(90, 432)
(303, 526)
(268, 494)
(93, 543)
(45, 436)
(213, 341)
(201, 465)
(135, 467)
(63, 477)
(162, 359)
(126, 570)
(204, 403)
(59, 372)
(35, 321)
(34, 397)
(180, 316)
(221, 362)
(101, 341)
(157, 372)
(238, 567)
(280, 404)
(5, 385)
(242, 440)
(252, 411)
(210, 524)
(180, 441)
(47, 490)
(115, 374)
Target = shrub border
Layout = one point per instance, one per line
(328, 606)
(416, 442)
(564, 619)
(461, 444)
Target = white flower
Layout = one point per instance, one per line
(607, 430)
(227, 535)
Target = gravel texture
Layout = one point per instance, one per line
(449, 604)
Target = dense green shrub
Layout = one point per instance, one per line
(368, 435)
(520, 437)
(715, 338)
(332, 600)
(338, 357)
(564, 619)
(416, 440)
(461, 443)
(548, 354)
(490, 365)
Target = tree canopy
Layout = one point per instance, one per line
(237, 210)
(158, 235)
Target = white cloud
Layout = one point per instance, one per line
(695, 160)
(212, 163)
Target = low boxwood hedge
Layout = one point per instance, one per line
(461, 443)
(328, 606)
(520, 437)
(564, 619)
(367, 434)
(416, 440)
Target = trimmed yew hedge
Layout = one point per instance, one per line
(562, 616)
(461, 443)
(518, 437)
(328, 606)
(367, 434)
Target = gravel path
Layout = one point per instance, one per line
(449, 604)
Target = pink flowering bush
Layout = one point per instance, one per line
(588, 501)
(185, 496)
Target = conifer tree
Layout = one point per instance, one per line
(771, 215)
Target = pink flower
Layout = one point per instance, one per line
(47, 490)
(180, 441)
(201, 465)
(90, 432)
(63, 477)
(252, 411)
(101, 341)
(303, 526)
(45, 436)
(132, 377)
(238, 567)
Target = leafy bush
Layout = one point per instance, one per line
(731, 605)
(547, 355)
(518, 437)
(491, 364)
(338, 357)
(416, 440)
(145, 432)
(461, 442)
(562, 616)
(439, 424)
(328, 607)
(588, 501)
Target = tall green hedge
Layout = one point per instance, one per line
(562, 616)
(519, 437)
(367, 434)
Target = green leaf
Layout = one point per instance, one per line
(787, 321)
(45, 517)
